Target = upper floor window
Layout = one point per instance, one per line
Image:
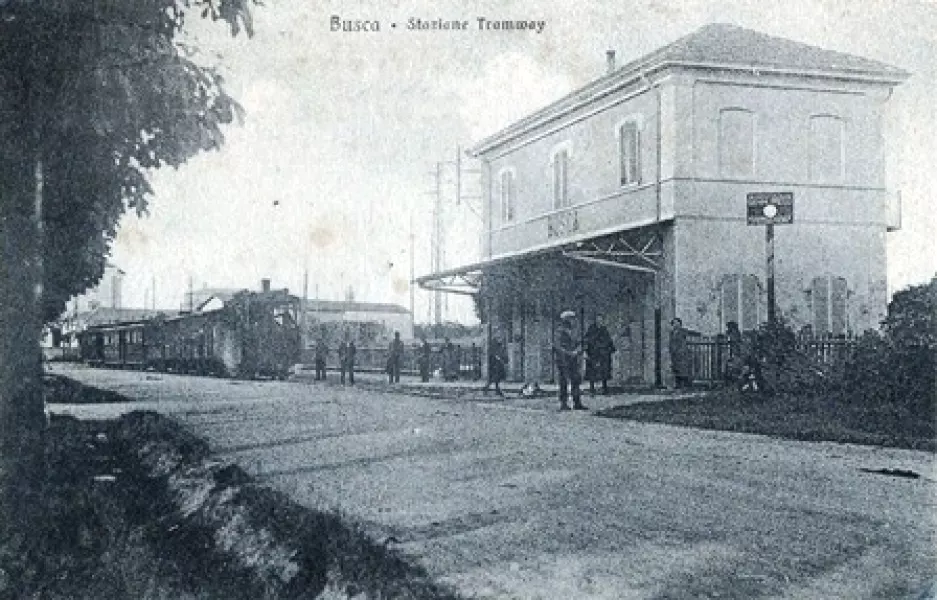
(629, 152)
(736, 142)
(826, 148)
(507, 195)
(561, 178)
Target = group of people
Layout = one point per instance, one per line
(346, 359)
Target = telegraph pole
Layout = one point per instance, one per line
(412, 267)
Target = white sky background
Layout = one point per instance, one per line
(344, 130)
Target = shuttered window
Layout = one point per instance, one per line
(741, 301)
(829, 296)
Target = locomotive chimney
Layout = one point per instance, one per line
(610, 61)
(265, 285)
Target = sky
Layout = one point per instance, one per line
(335, 164)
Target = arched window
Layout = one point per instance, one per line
(827, 149)
(560, 163)
(508, 195)
(736, 142)
(629, 151)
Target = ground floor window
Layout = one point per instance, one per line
(828, 298)
(740, 301)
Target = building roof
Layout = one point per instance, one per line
(726, 44)
(352, 306)
(204, 295)
(108, 316)
(714, 46)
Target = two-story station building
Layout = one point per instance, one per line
(627, 198)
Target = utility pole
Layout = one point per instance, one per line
(191, 295)
(412, 267)
(438, 241)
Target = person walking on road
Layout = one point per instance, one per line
(679, 354)
(394, 359)
(346, 359)
(497, 366)
(567, 353)
(599, 349)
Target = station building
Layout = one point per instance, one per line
(627, 198)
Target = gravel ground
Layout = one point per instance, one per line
(512, 499)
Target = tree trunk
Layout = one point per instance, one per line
(22, 420)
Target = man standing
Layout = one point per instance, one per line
(679, 354)
(322, 351)
(346, 359)
(449, 360)
(425, 352)
(567, 353)
(599, 350)
(394, 358)
(497, 366)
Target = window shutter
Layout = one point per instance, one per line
(821, 306)
(730, 299)
(838, 294)
(750, 298)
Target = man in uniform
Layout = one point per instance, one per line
(567, 352)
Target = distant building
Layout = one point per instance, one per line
(367, 322)
(106, 294)
(627, 198)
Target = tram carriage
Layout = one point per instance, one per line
(254, 334)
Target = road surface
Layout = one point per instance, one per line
(507, 501)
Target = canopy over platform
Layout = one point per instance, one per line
(639, 249)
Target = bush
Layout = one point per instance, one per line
(782, 366)
(900, 364)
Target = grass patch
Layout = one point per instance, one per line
(835, 417)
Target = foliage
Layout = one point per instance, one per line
(449, 329)
(94, 94)
(110, 92)
(912, 316)
(899, 365)
(780, 364)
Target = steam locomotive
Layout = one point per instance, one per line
(253, 334)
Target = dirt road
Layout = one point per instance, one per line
(527, 502)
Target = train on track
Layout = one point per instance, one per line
(254, 334)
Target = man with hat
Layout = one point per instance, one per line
(567, 352)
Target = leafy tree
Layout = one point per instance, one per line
(92, 94)
(899, 365)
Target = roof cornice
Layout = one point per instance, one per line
(654, 63)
